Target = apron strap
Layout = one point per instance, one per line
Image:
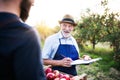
(59, 41)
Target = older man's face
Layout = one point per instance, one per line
(66, 29)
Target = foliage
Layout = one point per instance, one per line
(111, 27)
(100, 28)
(90, 29)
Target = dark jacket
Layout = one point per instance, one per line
(20, 52)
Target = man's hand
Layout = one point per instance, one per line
(86, 57)
(66, 62)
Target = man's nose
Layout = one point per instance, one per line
(67, 27)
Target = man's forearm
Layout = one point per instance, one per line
(51, 62)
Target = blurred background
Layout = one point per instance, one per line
(97, 32)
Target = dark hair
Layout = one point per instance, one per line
(25, 8)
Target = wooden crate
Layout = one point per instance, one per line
(78, 77)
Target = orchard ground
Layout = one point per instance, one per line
(105, 69)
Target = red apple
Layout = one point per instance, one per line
(48, 70)
(57, 78)
(66, 76)
(63, 79)
(60, 75)
(56, 72)
(50, 76)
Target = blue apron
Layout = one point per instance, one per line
(66, 50)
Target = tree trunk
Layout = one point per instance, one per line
(93, 42)
(116, 47)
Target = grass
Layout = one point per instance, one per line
(99, 68)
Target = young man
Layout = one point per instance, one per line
(61, 48)
(20, 53)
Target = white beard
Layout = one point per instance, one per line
(66, 34)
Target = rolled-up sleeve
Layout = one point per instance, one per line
(50, 47)
(47, 49)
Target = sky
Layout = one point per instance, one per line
(51, 11)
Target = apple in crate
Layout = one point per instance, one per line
(50, 76)
(63, 79)
(65, 76)
(57, 73)
(48, 70)
(60, 75)
(57, 78)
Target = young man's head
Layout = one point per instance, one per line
(19, 7)
(25, 8)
